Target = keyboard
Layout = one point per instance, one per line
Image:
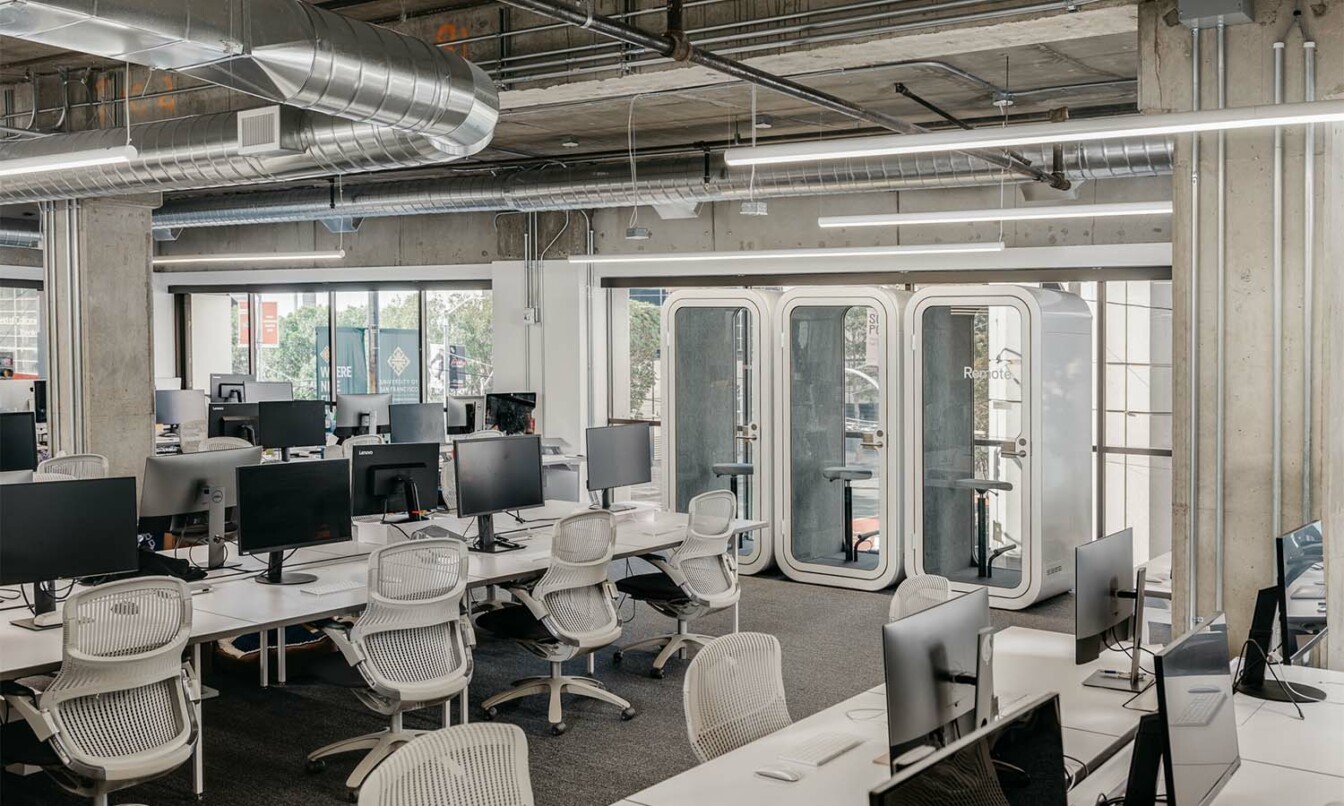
(326, 587)
(820, 749)
(1200, 706)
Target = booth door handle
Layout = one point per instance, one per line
(745, 438)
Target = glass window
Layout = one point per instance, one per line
(20, 331)
(635, 322)
(288, 343)
(459, 357)
(353, 374)
(395, 342)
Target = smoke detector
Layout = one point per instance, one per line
(756, 208)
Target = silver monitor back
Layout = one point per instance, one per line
(455, 410)
(1102, 569)
(260, 391)
(172, 407)
(16, 394)
(173, 484)
(417, 422)
(349, 409)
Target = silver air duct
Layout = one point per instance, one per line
(285, 51)
(659, 182)
(20, 233)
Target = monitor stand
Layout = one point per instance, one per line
(411, 495)
(610, 507)
(1251, 681)
(1135, 680)
(487, 542)
(1145, 764)
(44, 606)
(275, 573)
(213, 498)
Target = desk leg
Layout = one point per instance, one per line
(265, 659)
(280, 675)
(737, 577)
(592, 667)
(198, 761)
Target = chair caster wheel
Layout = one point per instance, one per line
(628, 714)
(489, 714)
(616, 656)
(657, 674)
(315, 766)
(558, 728)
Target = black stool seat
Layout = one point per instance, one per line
(655, 587)
(734, 469)
(846, 473)
(513, 621)
(984, 485)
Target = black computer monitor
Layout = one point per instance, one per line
(1108, 608)
(233, 420)
(228, 387)
(619, 456)
(1299, 570)
(18, 441)
(417, 422)
(510, 412)
(496, 474)
(355, 413)
(192, 483)
(292, 505)
(291, 424)
(65, 530)
(1198, 721)
(1254, 660)
(394, 478)
(1016, 761)
(938, 674)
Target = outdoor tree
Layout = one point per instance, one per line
(645, 339)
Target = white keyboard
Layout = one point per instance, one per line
(1200, 706)
(821, 748)
(327, 587)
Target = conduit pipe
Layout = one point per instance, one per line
(1308, 282)
(1192, 506)
(1220, 389)
(1276, 348)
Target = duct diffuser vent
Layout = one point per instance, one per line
(261, 131)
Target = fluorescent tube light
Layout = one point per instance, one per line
(999, 214)
(257, 257)
(778, 254)
(1072, 131)
(67, 160)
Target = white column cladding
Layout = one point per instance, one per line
(100, 354)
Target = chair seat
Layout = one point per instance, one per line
(846, 473)
(734, 469)
(514, 621)
(984, 485)
(655, 587)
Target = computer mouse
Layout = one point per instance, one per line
(779, 774)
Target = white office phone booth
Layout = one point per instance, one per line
(716, 364)
(998, 438)
(838, 436)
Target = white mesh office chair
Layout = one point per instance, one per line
(448, 483)
(40, 477)
(121, 710)
(696, 580)
(361, 439)
(734, 693)
(222, 444)
(77, 465)
(412, 645)
(465, 765)
(568, 613)
(916, 593)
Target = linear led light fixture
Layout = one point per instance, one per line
(256, 257)
(778, 254)
(68, 159)
(1072, 131)
(998, 214)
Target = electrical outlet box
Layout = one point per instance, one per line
(1209, 13)
(531, 316)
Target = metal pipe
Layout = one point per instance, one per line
(1192, 506)
(1308, 282)
(1276, 349)
(679, 49)
(1219, 386)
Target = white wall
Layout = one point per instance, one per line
(211, 337)
(165, 353)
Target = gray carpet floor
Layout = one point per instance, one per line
(256, 739)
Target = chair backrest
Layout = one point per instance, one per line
(448, 483)
(734, 693)
(121, 691)
(413, 629)
(575, 588)
(362, 439)
(918, 593)
(705, 558)
(482, 764)
(78, 465)
(40, 477)
(222, 444)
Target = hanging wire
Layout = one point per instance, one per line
(751, 183)
(630, 145)
(1003, 124)
(127, 92)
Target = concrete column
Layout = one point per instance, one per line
(1247, 495)
(100, 347)
(1331, 367)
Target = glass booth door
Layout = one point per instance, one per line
(717, 414)
(840, 367)
(973, 447)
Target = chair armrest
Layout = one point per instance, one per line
(468, 630)
(37, 719)
(339, 634)
(534, 606)
(671, 571)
